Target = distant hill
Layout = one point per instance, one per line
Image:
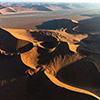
(64, 6)
(7, 9)
(58, 6)
(37, 7)
(18, 7)
(33, 7)
(54, 7)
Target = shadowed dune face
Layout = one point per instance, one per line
(58, 24)
(90, 44)
(89, 25)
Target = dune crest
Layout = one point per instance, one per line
(74, 21)
(71, 39)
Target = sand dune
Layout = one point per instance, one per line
(7, 9)
(41, 8)
(19, 9)
(32, 8)
(57, 7)
(52, 56)
(7, 44)
(37, 6)
(66, 60)
(20, 87)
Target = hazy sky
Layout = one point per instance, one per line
(90, 1)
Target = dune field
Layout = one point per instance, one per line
(47, 55)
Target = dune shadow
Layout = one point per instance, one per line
(89, 25)
(89, 45)
(58, 24)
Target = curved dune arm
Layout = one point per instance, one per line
(27, 36)
(69, 87)
(21, 34)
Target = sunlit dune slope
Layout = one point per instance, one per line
(7, 9)
(19, 9)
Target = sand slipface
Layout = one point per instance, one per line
(55, 52)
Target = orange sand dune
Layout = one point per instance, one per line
(7, 44)
(66, 56)
(19, 86)
(33, 8)
(19, 9)
(27, 35)
(7, 9)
